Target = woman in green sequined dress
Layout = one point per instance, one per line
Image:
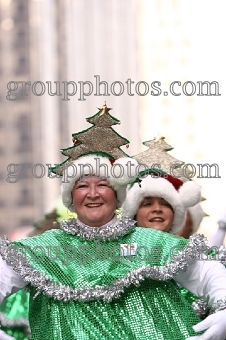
(99, 277)
(94, 296)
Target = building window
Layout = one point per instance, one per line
(21, 11)
(21, 8)
(20, 39)
(22, 66)
(25, 197)
(24, 171)
(23, 125)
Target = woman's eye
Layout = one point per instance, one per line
(103, 185)
(166, 204)
(80, 186)
(146, 204)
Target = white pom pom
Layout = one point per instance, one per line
(197, 215)
(190, 193)
(124, 170)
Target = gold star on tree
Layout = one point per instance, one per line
(104, 109)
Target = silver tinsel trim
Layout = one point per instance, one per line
(218, 306)
(110, 231)
(107, 293)
(17, 323)
(222, 255)
(201, 308)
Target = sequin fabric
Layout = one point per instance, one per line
(66, 267)
(140, 301)
(200, 306)
(14, 315)
(156, 310)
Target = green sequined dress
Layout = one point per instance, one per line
(14, 315)
(89, 290)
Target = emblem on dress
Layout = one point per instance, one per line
(128, 249)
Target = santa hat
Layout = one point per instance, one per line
(197, 214)
(178, 194)
(116, 172)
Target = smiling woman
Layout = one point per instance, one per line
(155, 212)
(115, 296)
(94, 201)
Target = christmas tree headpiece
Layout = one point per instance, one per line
(96, 151)
(157, 156)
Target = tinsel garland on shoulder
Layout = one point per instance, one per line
(69, 267)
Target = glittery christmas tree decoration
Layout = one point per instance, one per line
(158, 154)
(99, 139)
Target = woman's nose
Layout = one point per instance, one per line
(156, 206)
(93, 191)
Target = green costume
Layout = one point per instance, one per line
(84, 287)
(14, 315)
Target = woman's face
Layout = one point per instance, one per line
(94, 201)
(156, 213)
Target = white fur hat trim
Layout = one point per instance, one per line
(188, 194)
(197, 214)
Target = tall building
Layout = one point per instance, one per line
(88, 44)
(16, 144)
